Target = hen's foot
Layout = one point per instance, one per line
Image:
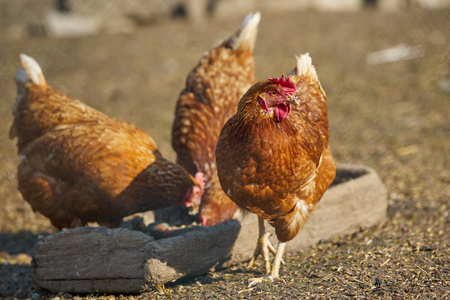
(263, 248)
(274, 279)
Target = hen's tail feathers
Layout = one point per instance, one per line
(305, 67)
(31, 71)
(244, 38)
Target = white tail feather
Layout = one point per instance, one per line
(32, 69)
(304, 66)
(247, 36)
(252, 20)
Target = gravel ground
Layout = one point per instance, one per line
(393, 117)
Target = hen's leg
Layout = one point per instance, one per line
(274, 274)
(263, 247)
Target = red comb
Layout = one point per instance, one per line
(285, 82)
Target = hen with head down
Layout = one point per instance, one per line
(78, 165)
(213, 89)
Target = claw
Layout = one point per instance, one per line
(252, 261)
(161, 288)
(273, 279)
(263, 248)
(277, 280)
(254, 281)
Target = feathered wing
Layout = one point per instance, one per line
(213, 89)
(310, 90)
(76, 174)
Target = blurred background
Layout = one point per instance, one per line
(383, 63)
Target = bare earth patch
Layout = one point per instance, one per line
(392, 117)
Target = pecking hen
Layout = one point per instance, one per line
(78, 165)
(273, 157)
(213, 89)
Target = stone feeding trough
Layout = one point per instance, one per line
(98, 259)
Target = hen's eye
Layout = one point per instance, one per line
(272, 93)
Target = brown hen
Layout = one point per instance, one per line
(273, 157)
(79, 165)
(213, 89)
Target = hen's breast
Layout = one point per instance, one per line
(270, 168)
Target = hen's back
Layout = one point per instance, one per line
(39, 107)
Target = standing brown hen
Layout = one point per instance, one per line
(79, 165)
(213, 89)
(273, 157)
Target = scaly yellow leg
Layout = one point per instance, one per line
(274, 274)
(263, 247)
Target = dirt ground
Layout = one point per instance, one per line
(393, 117)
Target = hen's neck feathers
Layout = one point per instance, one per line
(310, 113)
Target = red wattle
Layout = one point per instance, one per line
(281, 111)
